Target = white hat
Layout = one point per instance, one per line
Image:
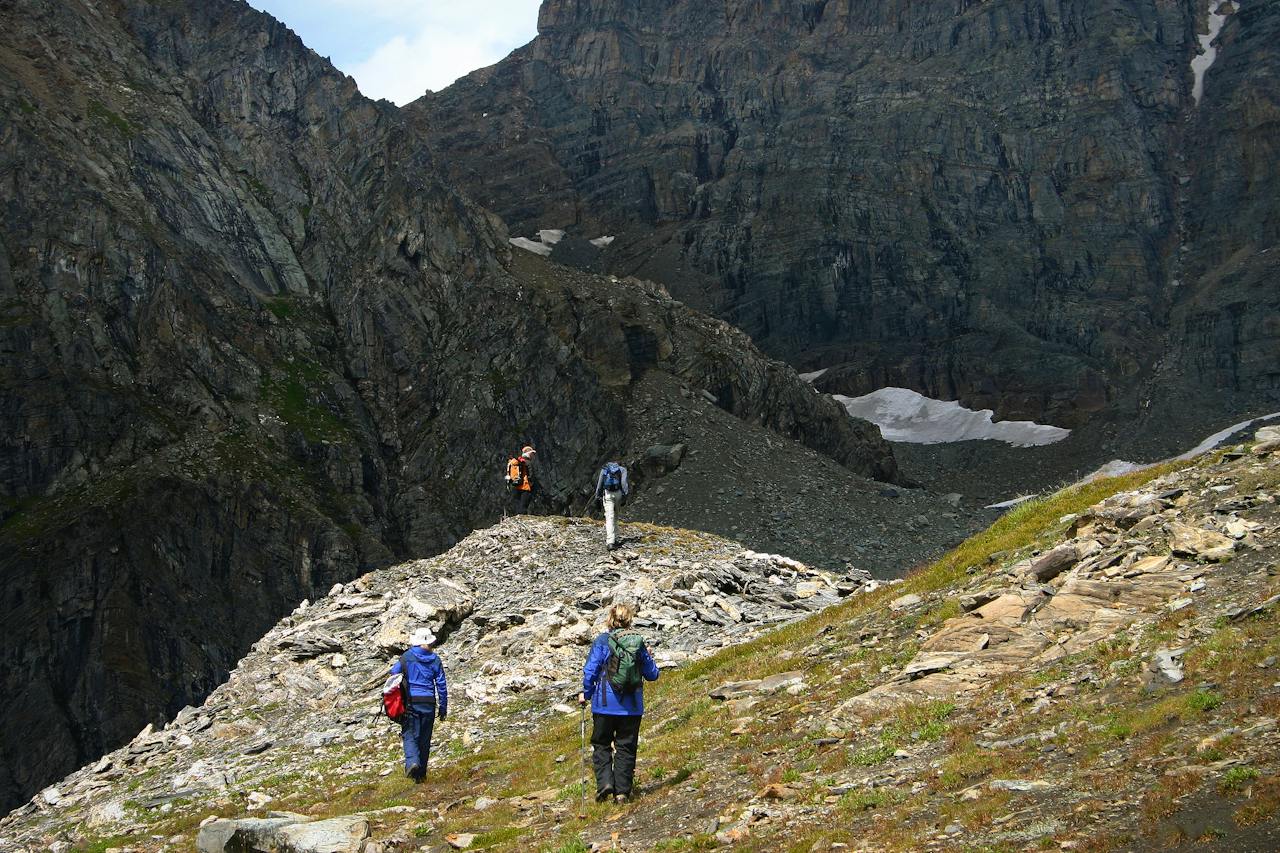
(422, 637)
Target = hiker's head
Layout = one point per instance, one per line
(422, 637)
(527, 452)
(620, 616)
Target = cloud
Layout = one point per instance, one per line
(411, 46)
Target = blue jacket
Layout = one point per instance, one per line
(595, 682)
(426, 679)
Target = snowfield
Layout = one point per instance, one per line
(907, 416)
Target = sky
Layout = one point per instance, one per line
(398, 49)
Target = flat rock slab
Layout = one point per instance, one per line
(1191, 541)
(335, 835)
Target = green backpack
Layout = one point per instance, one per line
(623, 668)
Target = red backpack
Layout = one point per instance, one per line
(395, 692)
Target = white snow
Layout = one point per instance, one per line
(904, 415)
(601, 242)
(1117, 467)
(531, 246)
(813, 377)
(1011, 503)
(550, 236)
(1204, 60)
(1221, 435)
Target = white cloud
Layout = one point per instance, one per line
(438, 42)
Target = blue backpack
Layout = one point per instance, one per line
(612, 476)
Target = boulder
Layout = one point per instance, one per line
(247, 835)
(335, 835)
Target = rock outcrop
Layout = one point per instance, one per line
(254, 345)
(1012, 203)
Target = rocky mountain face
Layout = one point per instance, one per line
(1099, 679)
(1014, 203)
(255, 344)
(516, 607)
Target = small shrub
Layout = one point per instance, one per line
(1237, 778)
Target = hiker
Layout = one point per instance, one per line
(614, 677)
(428, 698)
(612, 489)
(520, 478)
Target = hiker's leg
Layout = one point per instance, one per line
(626, 738)
(602, 752)
(522, 502)
(409, 738)
(428, 717)
(610, 524)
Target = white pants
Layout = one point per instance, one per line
(611, 501)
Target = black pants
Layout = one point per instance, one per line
(614, 740)
(522, 502)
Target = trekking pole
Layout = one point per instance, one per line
(582, 733)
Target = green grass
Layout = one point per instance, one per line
(99, 111)
(294, 392)
(1203, 700)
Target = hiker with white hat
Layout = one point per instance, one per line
(428, 696)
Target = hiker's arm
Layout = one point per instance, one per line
(648, 668)
(442, 693)
(395, 667)
(591, 672)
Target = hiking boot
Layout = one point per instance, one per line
(622, 799)
(415, 772)
(601, 796)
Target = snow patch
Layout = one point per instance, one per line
(1012, 502)
(531, 246)
(1222, 435)
(601, 242)
(1119, 467)
(1203, 61)
(904, 415)
(813, 377)
(550, 236)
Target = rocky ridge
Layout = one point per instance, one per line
(515, 606)
(1109, 683)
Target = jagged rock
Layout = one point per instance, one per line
(1020, 786)
(663, 457)
(1267, 434)
(1048, 566)
(905, 601)
(460, 840)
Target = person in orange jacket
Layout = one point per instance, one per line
(520, 478)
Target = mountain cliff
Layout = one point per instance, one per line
(255, 344)
(1015, 203)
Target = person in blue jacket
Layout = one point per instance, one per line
(428, 697)
(615, 719)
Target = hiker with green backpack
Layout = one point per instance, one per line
(614, 677)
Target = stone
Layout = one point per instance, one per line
(1190, 541)
(460, 840)
(905, 601)
(335, 835)
(1267, 433)
(233, 836)
(1049, 565)
(484, 803)
(1020, 786)
(1165, 662)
